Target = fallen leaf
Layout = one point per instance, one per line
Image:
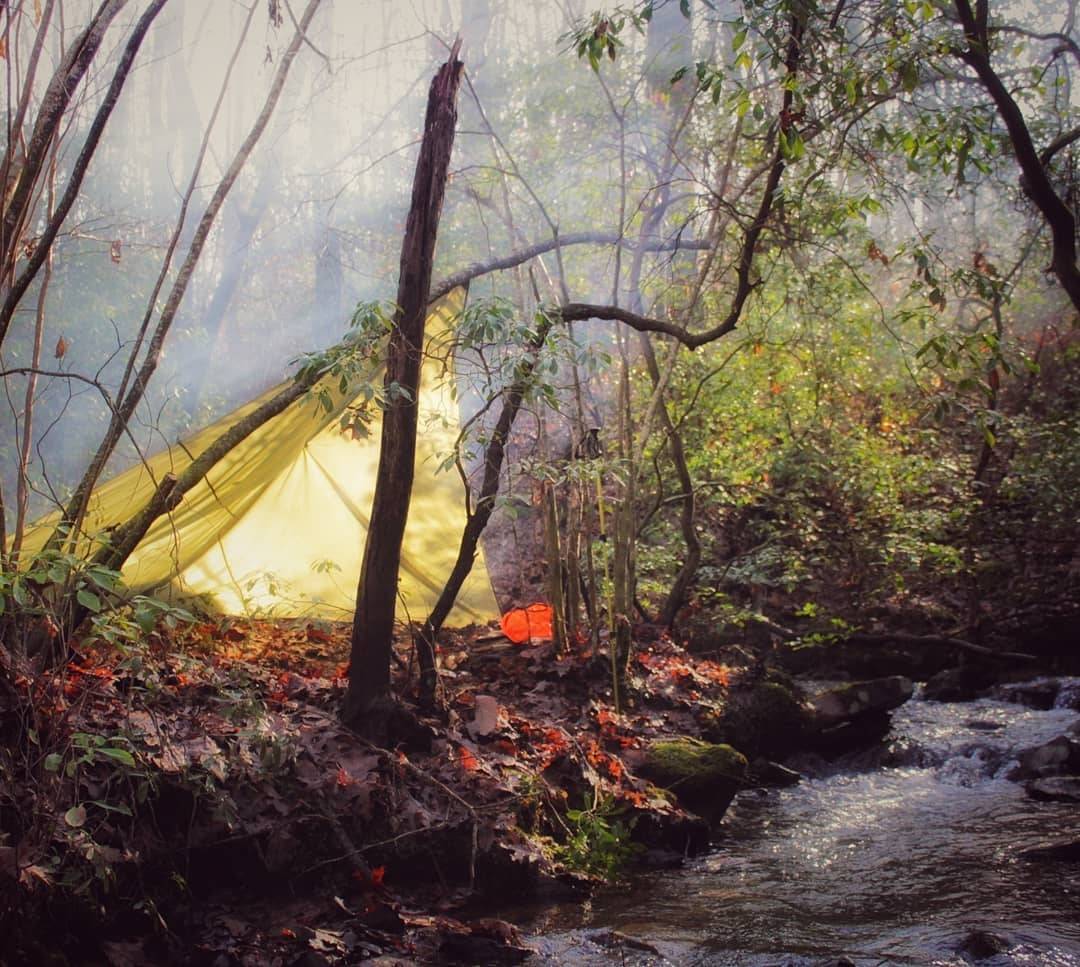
(76, 816)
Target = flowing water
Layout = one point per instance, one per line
(892, 860)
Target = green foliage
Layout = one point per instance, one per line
(352, 367)
(36, 588)
(598, 841)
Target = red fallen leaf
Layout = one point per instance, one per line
(342, 671)
(318, 635)
(468, 761)
(288, 934)
(506, 746)
(344, 780)
(372, 880)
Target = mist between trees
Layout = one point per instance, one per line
(804, 274)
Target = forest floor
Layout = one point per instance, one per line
(194, 798)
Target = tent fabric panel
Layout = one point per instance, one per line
(269, 526)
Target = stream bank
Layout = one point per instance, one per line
(199, 803)
(921, 851)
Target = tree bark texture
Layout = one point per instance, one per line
(373, 623)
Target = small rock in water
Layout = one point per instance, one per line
(981, 944)
(1063, 851)
(767, 773)
(1055, 789)
(961, 684)
(1060, 756)
(860, 698)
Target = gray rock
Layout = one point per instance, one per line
(1040, 693)
(1058, 757)
(961, 684)
(766, 773)
(1054, 789)
(850, 702)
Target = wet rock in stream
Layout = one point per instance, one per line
(1040, 693)
(963, 684)
(703, 775)
(1059, 851)
(855, 716)
(1060, 756)
(1054, 789)
(982, 944)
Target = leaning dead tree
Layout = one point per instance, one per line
(373, 625)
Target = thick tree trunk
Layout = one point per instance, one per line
(373, 624)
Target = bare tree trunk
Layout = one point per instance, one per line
(54, 105)
(373, 624)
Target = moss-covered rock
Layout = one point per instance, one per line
(768, 719)
(703, 775)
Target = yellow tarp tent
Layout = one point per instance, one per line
(278, 526)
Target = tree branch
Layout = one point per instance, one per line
(78, 171)
(477, 269)
(1035, 180)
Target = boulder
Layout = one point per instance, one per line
(1054, 789)
(764, 772)
(703, 775)
(1058, 757)
(670, 832)
(849, 702)
(768, 719)
(982, 944)
(855, 716)
(962, 684)
(1041, 693)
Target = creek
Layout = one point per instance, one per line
(891, 857)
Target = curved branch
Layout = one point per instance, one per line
(1035, 181)
(1059, 143)
(477, 269)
